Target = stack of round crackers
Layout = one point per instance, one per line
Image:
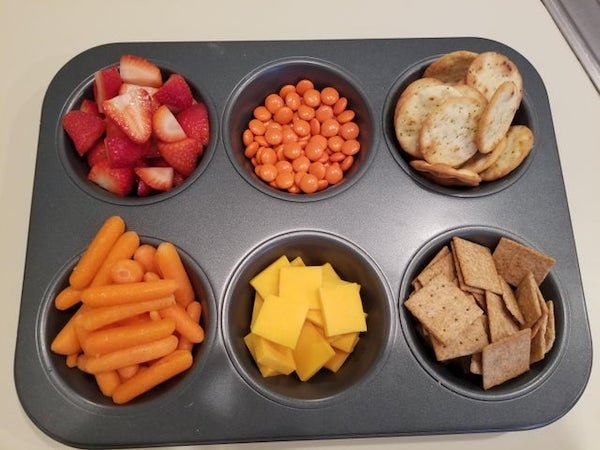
(456, 121)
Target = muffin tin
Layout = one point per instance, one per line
(378, 227)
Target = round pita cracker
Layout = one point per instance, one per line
(452, 67)
(448, 133)
(446, 175)
(411, 89)
(519, 142)
(469, 91)
(489, 70)
(481, 161)
(497, 116)
(414, 110)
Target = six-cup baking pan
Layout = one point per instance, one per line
(379, 228)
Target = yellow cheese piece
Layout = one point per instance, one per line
(280, 320)
(258, 302)
(342, 309)
(249, 340)
(297, 262)
(274, 356)
(312, 352)
(267, 281)
(336, 361)
(315, 316)
(345, 342)
(301, 284)
(329, 274)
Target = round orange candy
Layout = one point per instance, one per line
(335, 143)
(292, 150)
(350, 147)
(345, 116)
(306, 112)
(273, 102)
(312, 98)
(285, 90)
(347, 163)
(317, 169)
(301, 164)
(283, 115)
(284, 180)
(284, 166)
(315, 127)
(334, 174)
(340, 105)
(274, 136)
(257, 127)
(323, 113)
(268, 157)
(313, 151)
(247, 137)
(304, 85)
(330, 128)
(267, 172)
(301, 127)
(293, 101)
(349, 130)
(329, 96)
(309, 183)
(262, 113)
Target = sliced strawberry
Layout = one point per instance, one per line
(122, 152)
(127, 87)
(83, 128)
(159, 178)
(195, 123)
(106, 85)
(112, 129)
(132, 112)
(140, 71)
(143, 189)
(182, 155)
(178, 179)
(165, 125)
(175, 93)
(89, 106)
(117, 181)
(97, 154)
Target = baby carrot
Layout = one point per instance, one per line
(126, 271)
(72, 360)
(93, 257)
(145, 256)
(116, 294)
(165, 368)
(108, 382)
(66, 298)
(154, 315)
(170, 266)
(184, 324)
(128, 371)
(194, 310)
(124, 248)
(131, 355)
(66, 342)
(95, 318)
(116, 338)
(151, 276)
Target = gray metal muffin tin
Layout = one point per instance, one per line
(379, 227)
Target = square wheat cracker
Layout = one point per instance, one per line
(506, 359)
(514, 260)
(510, 301)
(477, 265)
(443, 308)
(444, 265)
(459, 274)
(550, 327)
(471, 340)
(538, 339)
(528, 301)
(500, 320)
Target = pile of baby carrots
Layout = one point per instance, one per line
(138, 318)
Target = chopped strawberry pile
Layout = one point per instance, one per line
(139, 136)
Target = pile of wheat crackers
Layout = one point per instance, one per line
(456, 121)
(487, 308)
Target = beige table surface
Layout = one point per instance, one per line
(38, 37)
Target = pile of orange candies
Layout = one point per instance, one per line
(302, 140)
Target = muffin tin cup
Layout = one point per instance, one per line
(374, 228)
(525, 115)
(351, 264)
(77, 168)
(451, 375)
(269, 78)
(81, 388)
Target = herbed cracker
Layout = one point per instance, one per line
(477, 265)
(497, 116)
(446, 175)
(506, 359)
(528, 301)
(514, 260)
(489, 70)
(452, 67)
(447, 135)
(510, 301)
(443, 308)
(519, 143)
(469, 91)
(472, 340)
(481, 161)
(411, 89)
(500, 320)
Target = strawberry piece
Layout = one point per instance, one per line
(106, 85)
(143, 189)
(132, 112)
(159, 178)
(140, 71)
(119, 181)
(195, 123)
(83, 128)
(175, 93)
(89, 106)
(178, 179)
(182, 155)
(127, 87)
(97, 154)
(165, 125)
(112, 129)
(122, 152)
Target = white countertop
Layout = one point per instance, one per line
(38, 37)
